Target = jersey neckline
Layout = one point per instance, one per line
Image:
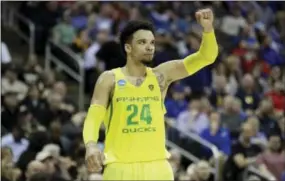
(128, 82)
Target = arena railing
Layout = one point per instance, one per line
(216, 154)
(255, 171)
(185, 153)
(204, 143)
(12, 19)
(68, 61)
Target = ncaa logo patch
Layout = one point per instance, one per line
(150, 87)
(121, 82)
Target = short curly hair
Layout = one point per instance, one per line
(131, 28)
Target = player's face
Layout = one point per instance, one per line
(142, 46)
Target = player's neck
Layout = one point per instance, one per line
(134, 69)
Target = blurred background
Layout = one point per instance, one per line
(53, 52)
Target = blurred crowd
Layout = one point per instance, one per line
(237, 104)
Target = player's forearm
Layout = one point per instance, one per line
(92, 123)
(206, 55)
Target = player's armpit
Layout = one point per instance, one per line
(97, 109)
(162, 80)
(179, 69)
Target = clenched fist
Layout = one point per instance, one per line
(94, 158)
(205, 17)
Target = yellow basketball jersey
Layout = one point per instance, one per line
(134, 122)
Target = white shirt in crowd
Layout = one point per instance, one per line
(90, 60)
(5, 54)
(231, 25)
(17, 148)
(16, 86)
(187, 122)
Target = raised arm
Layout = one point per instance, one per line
(97, 109)
(207, 54)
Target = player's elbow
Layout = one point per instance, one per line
(211, 57)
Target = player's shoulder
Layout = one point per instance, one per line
(106, 78)
(108, 74)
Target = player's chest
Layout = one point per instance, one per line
(142, 92)
(137, 86)
(128, 93)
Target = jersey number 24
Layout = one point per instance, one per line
(144, 114)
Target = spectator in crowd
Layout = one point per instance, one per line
(93, 67)
(217, 135)
(233, 73)
(72, 129)
(37, 140)
(247, 93)
(231, 118)
(31, 71)
(243, 154)
(57, 138)
(16, 142)
(10, 111)
(8, 171)
(5, 53)
(266, 115)
(259, 76)
(277, 95)
(6, 154)
(232, 23)
(193, 119)
(11, 83)
(272, 160)
(206, 106)
(90, 61)
(111, 54)
(33, 168)
(55, 110)
(199, 171)
(64, 33)
(275, 75)
(61, 88)
(33, 102)
(219, 91)
(175, 162)
(176, 103)
(280, 127)
(47, 160)
(47, 79)
(81, 42)
(165, 49)
(258, 137)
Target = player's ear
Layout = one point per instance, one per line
(128, 48)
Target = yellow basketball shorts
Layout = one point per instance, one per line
(154, 170)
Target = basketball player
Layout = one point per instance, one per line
(130, 101)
